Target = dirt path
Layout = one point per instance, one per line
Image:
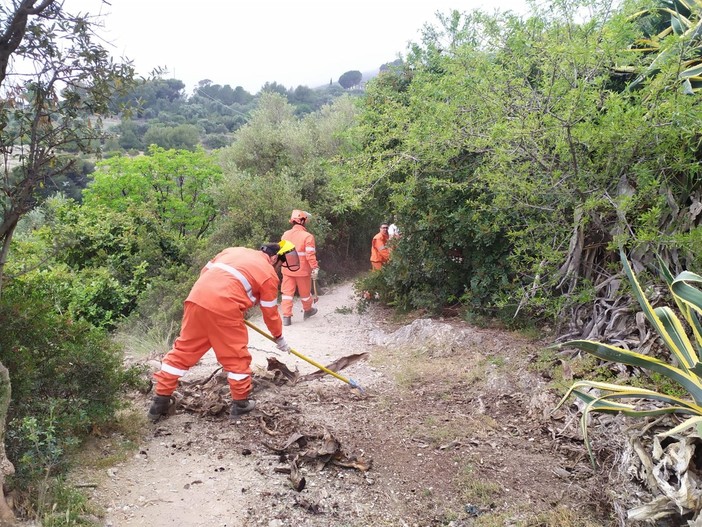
(453, 429)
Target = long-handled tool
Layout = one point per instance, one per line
(348, 381)
(314, 289)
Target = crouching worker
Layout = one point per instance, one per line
(232, 282)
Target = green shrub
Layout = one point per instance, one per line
(373, 286)
(66, 376)
(90, 294)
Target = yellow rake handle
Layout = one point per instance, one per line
(349, 381)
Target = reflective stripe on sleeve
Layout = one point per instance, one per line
(173, 371)
(236, 274)
(301, 254)
(310, 249)
(237, 376)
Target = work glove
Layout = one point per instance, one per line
(282, 345)
(315, 273)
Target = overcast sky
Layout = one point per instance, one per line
(248, 43)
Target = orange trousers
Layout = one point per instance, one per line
(201, 330)
(303, 285)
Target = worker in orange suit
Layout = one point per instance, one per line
(232, 282)
(380, 252)
(309, 269)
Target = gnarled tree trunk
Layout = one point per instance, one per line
(7, 517)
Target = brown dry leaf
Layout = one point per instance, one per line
(321, 449)
(263, 422)
(298, 438)
(329, 445)
(567, 371)
(297, 481)
(210, 396)
(281, 372)
(343, 460)
(338, 365)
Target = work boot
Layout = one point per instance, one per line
(287, 321)
(242, 407)
(160, 407)
(312, 312)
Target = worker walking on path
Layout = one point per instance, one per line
(309, 268)
(380, 253)
(231, 283)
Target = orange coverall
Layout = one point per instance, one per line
(230, 283)
(380, 254)
(300, 279)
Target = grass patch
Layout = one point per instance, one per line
(475, 489)
(141, 340)
(652, 380)
(557, 517)
(545, 362)
(66, 506)
(497, 360)
(114, 445)
(439, 433)
(413, 367)
(562, 372)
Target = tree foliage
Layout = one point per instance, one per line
(511, 150)
(514, 158)
(350, 79)
(168, 187)
(277, 149)
(179, 137)
(56, 82)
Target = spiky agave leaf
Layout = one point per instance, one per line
(678, 336)
(608, 352)
(679, 18)
(621, 391)
(606, 403)
(688, 423)
(689, 300)
(684, 304)
(687, 358)
(669, 328)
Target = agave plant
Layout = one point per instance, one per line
(682, 18)
(685, 368)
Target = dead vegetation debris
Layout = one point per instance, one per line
(210, 396)
(297, 443)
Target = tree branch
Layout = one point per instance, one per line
(15, 30)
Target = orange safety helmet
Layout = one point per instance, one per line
(299, 216)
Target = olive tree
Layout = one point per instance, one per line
(56, 82)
